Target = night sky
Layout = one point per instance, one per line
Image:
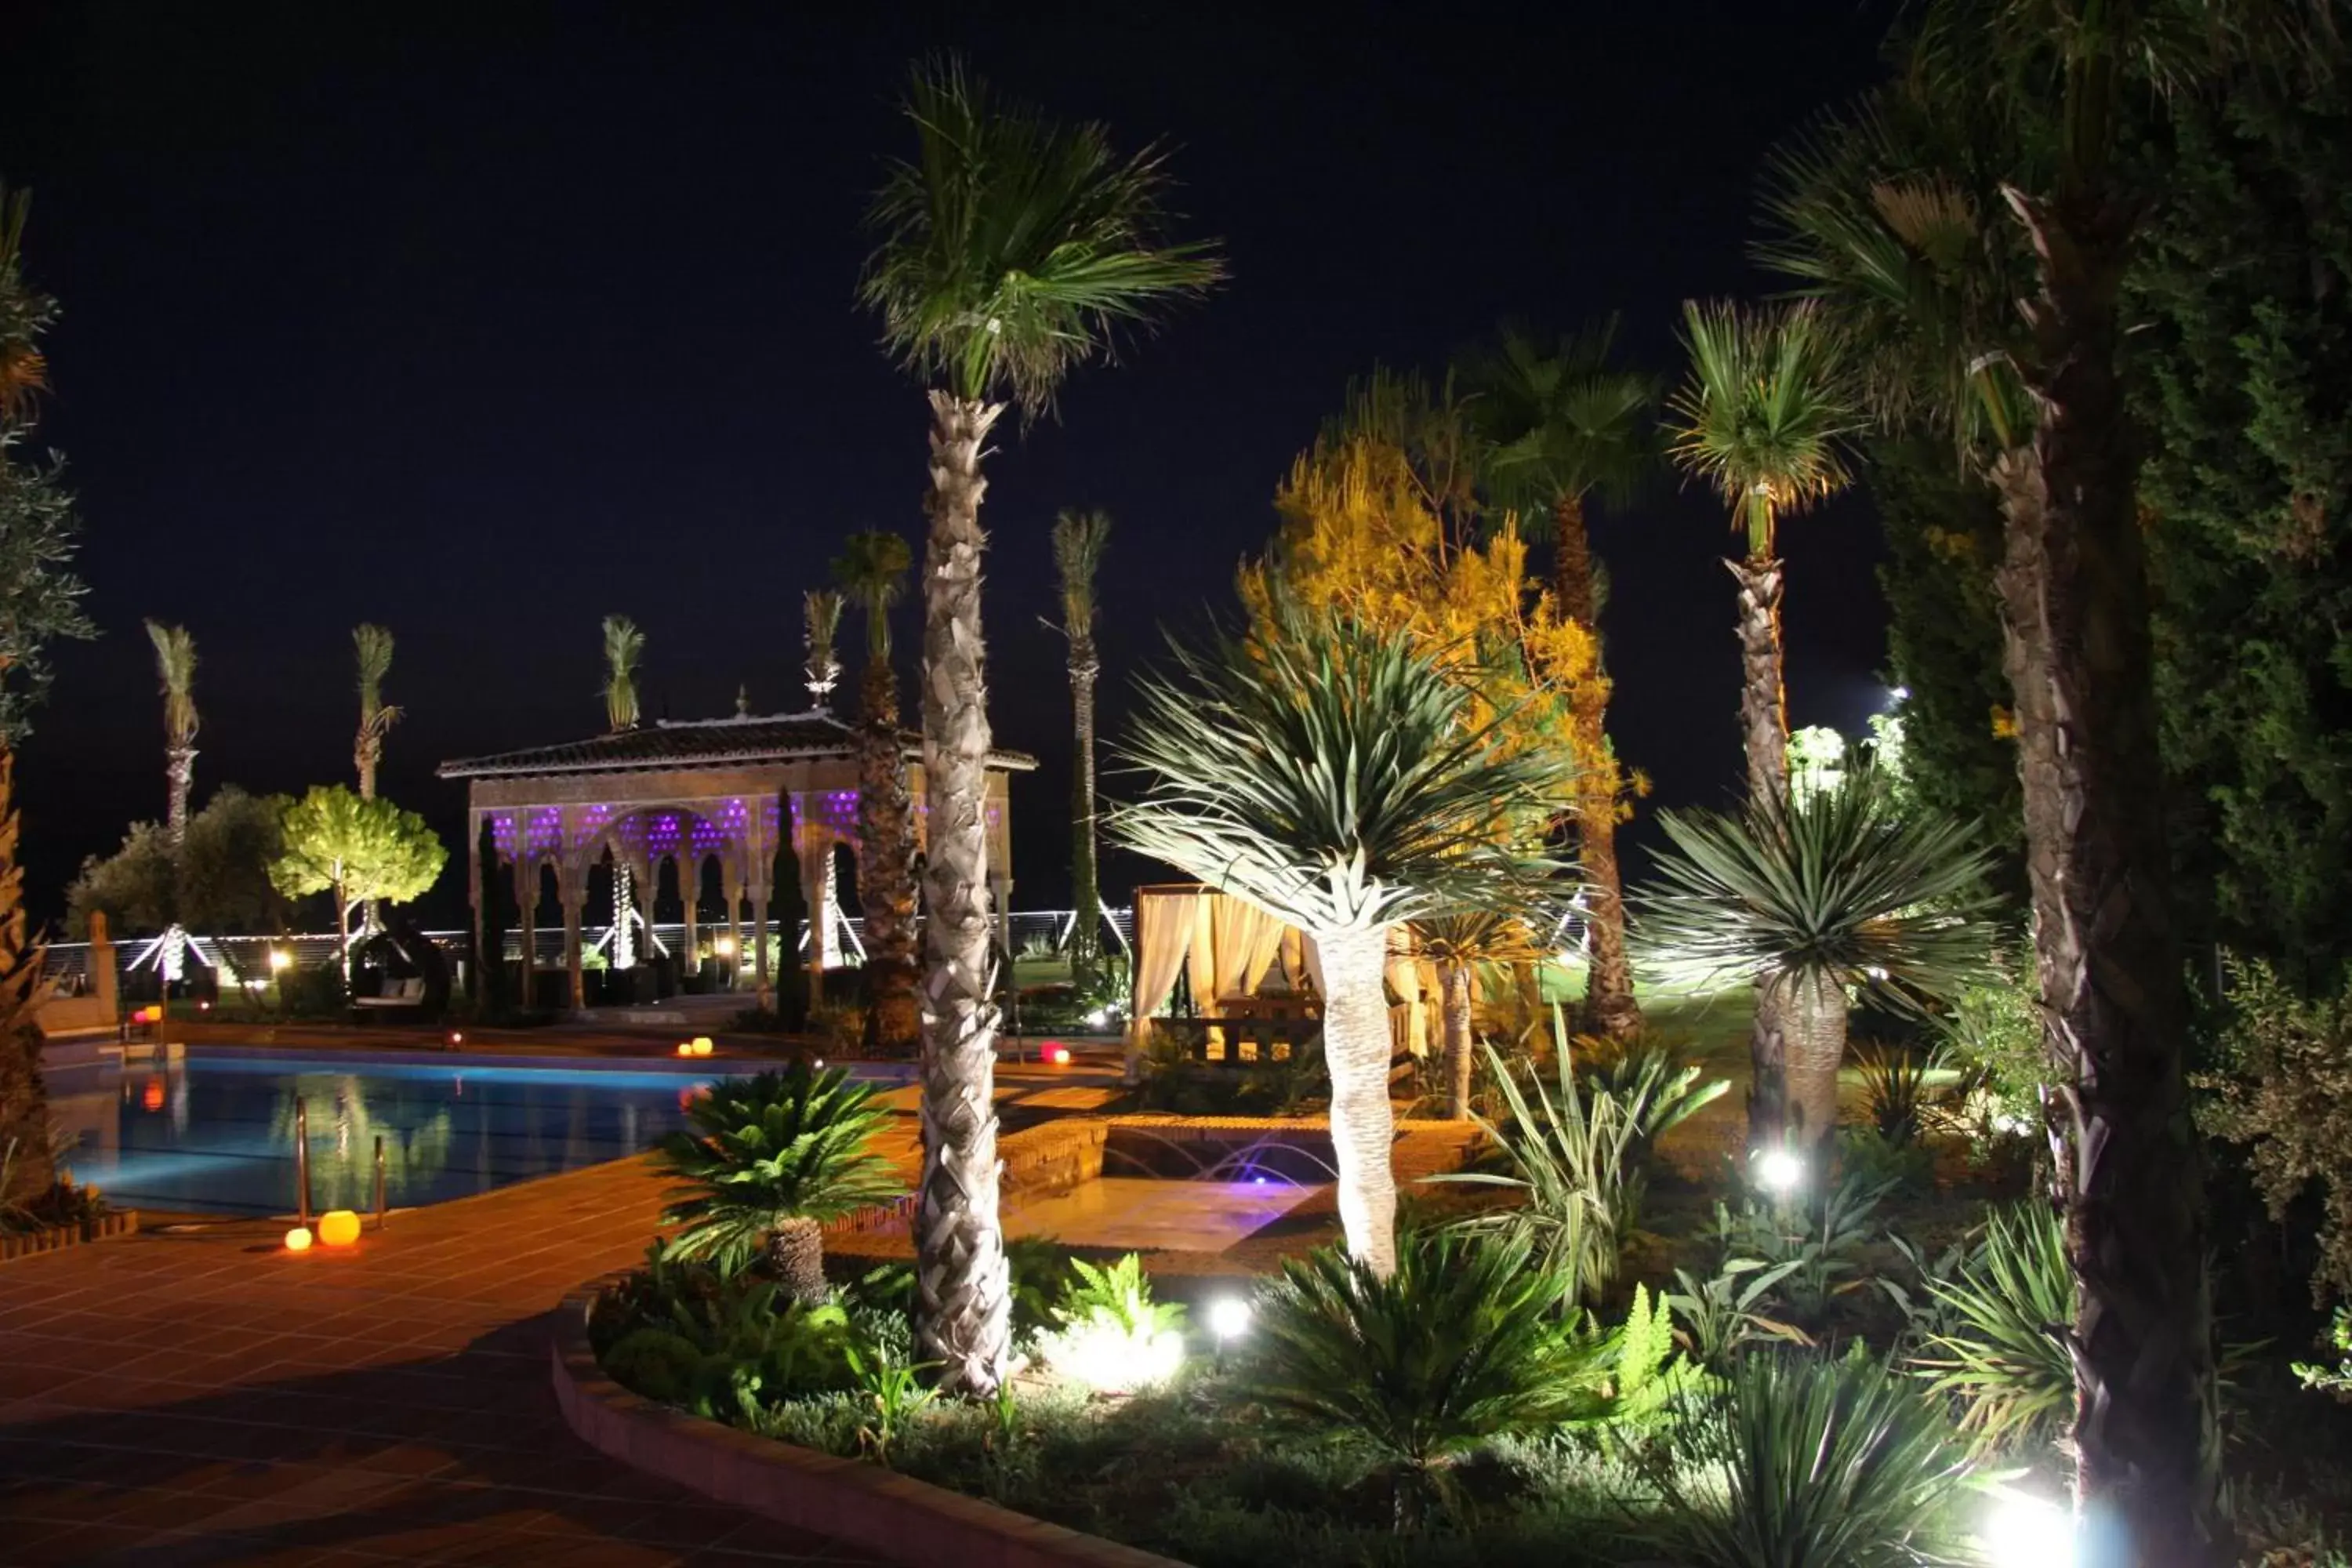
(484, 322)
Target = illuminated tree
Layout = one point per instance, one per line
(1010, 251)
(176, 666)
(357, 849)
(374, 646)
(1079, 538)
(872, 571)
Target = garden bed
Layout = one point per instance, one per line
(896, 1517)
(107, 1226)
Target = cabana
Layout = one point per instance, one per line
(1251, 978)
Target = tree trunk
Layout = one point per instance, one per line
(180, 778)
(1456, 992)
(886, 867)
(24, 1101)
(1764, 735)
(2127, 1174)
(1813, 1013)
(1352, 965)
(1086, 896)
(1609, 1005)
(963, 1302)
(796, 1252)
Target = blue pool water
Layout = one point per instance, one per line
(214, 1133)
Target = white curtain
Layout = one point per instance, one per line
(1165, 924)
(1243, 940)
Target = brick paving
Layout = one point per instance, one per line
(210, 1398)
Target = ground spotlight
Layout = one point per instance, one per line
(1780, 1171)
(2022, 1530)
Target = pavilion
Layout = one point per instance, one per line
(691, 792)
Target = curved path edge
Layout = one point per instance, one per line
(898, 1519)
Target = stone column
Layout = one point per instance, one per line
(527, 896)
(689, 888)
(572, 889)
(760, 938)
(474, 897)
(819, 894)
(731, 884)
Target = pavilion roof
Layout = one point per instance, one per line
(698, 742)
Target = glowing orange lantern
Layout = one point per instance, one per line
(339, 1228)
(298, 1239)
(151, 1097)
(702, 1045)
(686, 1047)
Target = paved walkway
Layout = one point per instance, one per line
(214, 1399)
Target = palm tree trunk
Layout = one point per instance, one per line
(886, 869)
(1455, 997)
(1764, 735)
(1609, 1005)
(963, 1302)
(1352, 965)
(180, 777)
(1813, 1013)
(2127, 1174)
(1086, 896)
(24, 1101)
(796, 1253)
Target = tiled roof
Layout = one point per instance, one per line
(693, 743)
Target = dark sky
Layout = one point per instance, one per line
(483, 322)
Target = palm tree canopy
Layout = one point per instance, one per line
(1840, 883)
(25, 314)
(624, 646)
(1327, 773)
(372, 645)
(820, 625)
(1079, 539)
(176, 666)
(1010, 249)
(760, 1151)
(872, 571)
(1763, 412)
(1558, 424)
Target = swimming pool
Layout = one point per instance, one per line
(211, 1130)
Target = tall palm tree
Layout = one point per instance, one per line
(1010, 251)
(624, 646)
(1760, 417)
(1837, 889)
(872, 572)
(820, 626)
(1327, 774)
(1559, 426)
(1079, 539)
(176, 666)
(373, 646)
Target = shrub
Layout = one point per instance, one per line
(683, 1333)
(2336, 1380)
(2000, 1350)
(1576, 1157)
(769, 1157)
(1895, 1084)
(1802, 1461)
(2282, 1086)
(1459, 1345)
(1820, 1238)
(1994, 1035)
(1112, 1334)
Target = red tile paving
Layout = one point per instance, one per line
(211, 1399)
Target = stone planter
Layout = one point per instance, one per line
(58, 1237)
(895, 1517)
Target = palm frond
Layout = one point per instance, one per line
(1328, 774)
(1764, 411)
(1842, 883)
(820, 625)
(1558, 422)
(872, 571)
(1079, 539)
(624, 646)
(1010, 249)
(176, 666)
(372, 646)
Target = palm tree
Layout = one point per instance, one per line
(176, 665)
(624, 646)
(1079, 538)
(872, 571)
(1457, 943)
(820, 625)
(1010, 251)
(1556, 427)
(770, 1159)
(1760, 417)
(24, 313)
(373, 646)
(1327, 773)
(1839, 889)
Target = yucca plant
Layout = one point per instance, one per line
(2001, 1351)
(1574, 1159)
(1804, 1462)
(767, 1159)
(1896, 1084)
(1332, 775)
(1844, 888)
(1458, 1344)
